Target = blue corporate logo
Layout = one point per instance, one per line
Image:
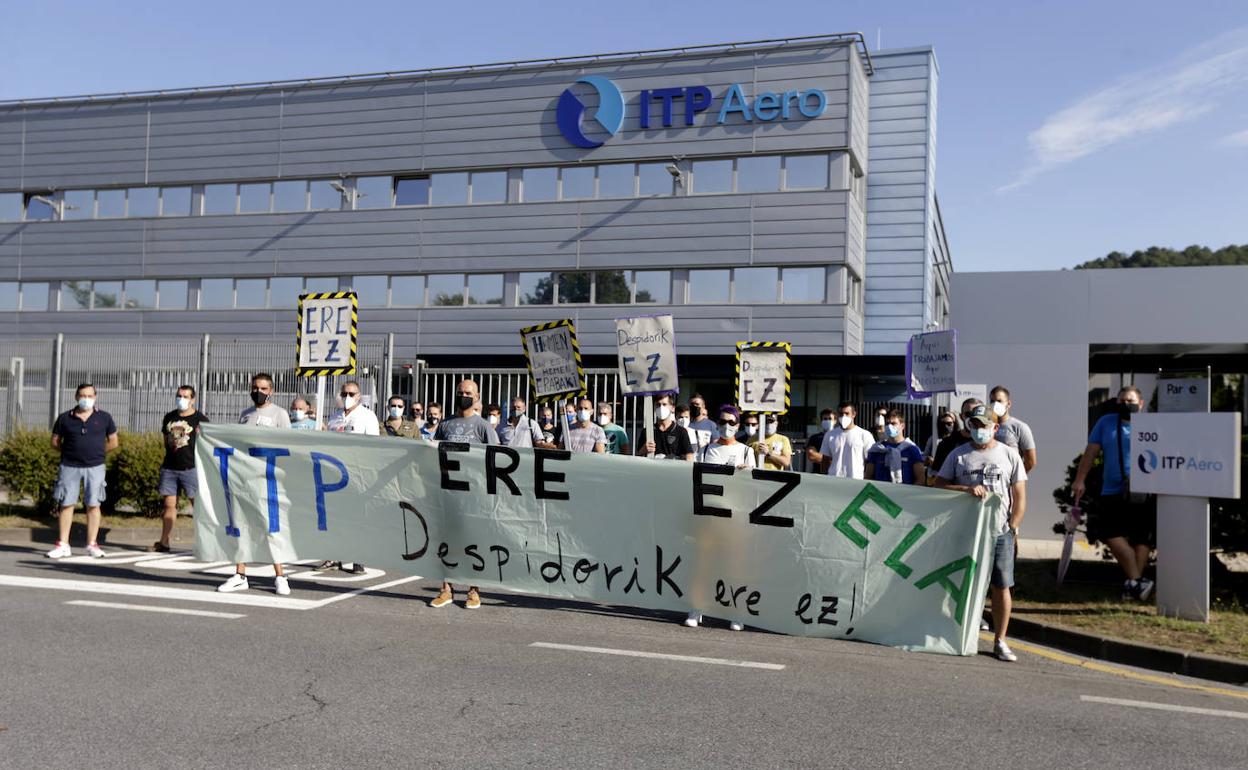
(570, 113)
(678, 104)
(1147, 461)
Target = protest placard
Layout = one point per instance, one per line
(554, 360)
(646, 347)
(325, 335)
(787, 552)
(762, 378)
(931, 363)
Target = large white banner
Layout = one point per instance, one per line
(788, 552)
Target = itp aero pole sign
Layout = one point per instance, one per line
(325, 337)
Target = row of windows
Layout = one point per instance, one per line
(753, 174)
(741, 285)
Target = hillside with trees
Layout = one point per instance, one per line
(1155, 256)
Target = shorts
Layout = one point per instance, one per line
(68, 480)
(1003, 561)
(1119, 517)
(171, 480)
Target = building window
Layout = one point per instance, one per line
(654, 179)
(407, 290)
(39, 208)
(251, 293)
(710, 176)
(284, 291)
(653, 286)
(485, 290)
(175, 201)
(755, 285)
(372, 290)
(323, 196)
(806, 172)
(617, 180)
(220, 199)
(613, 287)
(759, 173)
(575, 288)
(10, 207)
(489, 187)
(140, 295)
(538, 184)
(216, 293)
(449, 189)
(803, 284)
(79, 204)
(446, 289)
(110, 204)
(171, 295)
(35, 296)
(290, 196)
(143, 202)
(320, 284)
(106, 295)
(535, 289)
(708, 285)
(10, 296)
(75, 295)
(576, 182)
(411, 191)
(255, 198)
(374, 192)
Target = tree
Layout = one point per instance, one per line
(613, 288)
(1156, 256)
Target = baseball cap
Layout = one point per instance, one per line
(979, 416)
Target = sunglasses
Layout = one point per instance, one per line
(346, 393)
(727, 422)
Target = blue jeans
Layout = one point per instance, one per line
(68, 480)
(1003, 561)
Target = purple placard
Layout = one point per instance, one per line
(940, 358)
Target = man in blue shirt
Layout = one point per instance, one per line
(1128, 522)
(83, 435)
(896, 459)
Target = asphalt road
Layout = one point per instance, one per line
(334, 677)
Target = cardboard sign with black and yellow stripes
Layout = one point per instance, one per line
(325, 334)
(762, 380)
(554, 360)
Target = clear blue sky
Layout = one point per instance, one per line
(1066, 129)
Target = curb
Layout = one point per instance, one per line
(1115, 650)
(108, 535)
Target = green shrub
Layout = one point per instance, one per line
(134, 473)
(28, 466)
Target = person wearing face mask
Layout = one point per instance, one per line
(548, 426)
(958, 437)
(354, 417)
(584, 435)
(814, 460)
(896, 459)
(617, 437)
(83, 435)
(416, 413)
(180, 429)
(396, 424)
(946, 425)
(302, 415)
(700, 418)
(774, 450)
(982, 467)
(467, 428)
(699, 438)
(262, 413)
(1012, 431)
(845, 445)
(1127, 521)
(671, 441)
(881, 418)
(521, 431)
(434, 419)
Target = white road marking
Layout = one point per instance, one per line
(1143, 704)
(366, 589)
(146, 608)
(660, 656)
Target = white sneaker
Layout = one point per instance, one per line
(94, 551)
(236, 582)
(61, 551)
(736, 626)
(282, 585)
(1003, 651)
(983, 626)
(693, 619)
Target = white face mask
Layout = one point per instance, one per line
(350, 401)
(664, 412)
(604, 419)
(879, 420)
(396, 412)
(998, 408)
(85, 403)
(183, 404)
(846, 421)
(298, 415)
(585, 415)
(751, 430)
(492, 419)
(771, 427)
(682, 422)
(826, 424)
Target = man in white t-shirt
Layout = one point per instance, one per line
(845, 447)
(520, 430)
(353, 417)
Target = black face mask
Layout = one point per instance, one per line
(945, 429)
(1126, 410)
(258, 398)
(464, 402)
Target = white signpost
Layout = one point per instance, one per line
(646, 347)
(1185, 458)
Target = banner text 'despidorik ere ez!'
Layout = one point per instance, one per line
(787, 552)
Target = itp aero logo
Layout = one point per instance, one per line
(570, 112)
(1147, 461)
